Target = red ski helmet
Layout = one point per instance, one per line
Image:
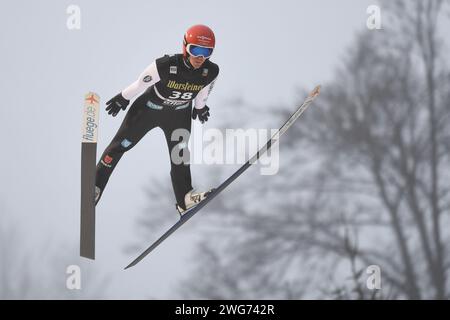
(198, 36)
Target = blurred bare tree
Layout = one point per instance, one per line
(364, 180)
(388, 120)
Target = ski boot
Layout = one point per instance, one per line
(191, 199)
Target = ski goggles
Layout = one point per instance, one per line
(197, 51)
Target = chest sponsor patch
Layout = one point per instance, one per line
(186, 86)
(173, 70)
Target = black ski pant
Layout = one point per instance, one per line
(140, 119)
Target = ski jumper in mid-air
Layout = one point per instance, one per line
(173, 89)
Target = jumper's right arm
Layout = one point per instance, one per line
(148, 77)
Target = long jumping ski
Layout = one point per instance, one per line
(191, 212)
(88, 162)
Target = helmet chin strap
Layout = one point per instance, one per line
(187, 63)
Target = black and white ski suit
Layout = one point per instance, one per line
(172, 87)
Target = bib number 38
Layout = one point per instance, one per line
(181, 95)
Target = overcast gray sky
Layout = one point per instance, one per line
(265, 49)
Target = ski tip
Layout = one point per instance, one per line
(92, 97)
(316, 91)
